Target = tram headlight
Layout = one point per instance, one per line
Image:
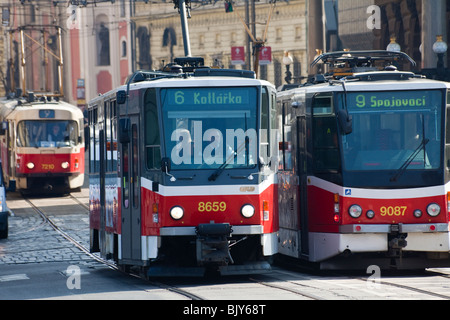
(355, 211)
(30, 165)
(370, 214)
(417, 213)
(433, 209)
(177, 213)
(65, 165)
(247, 211)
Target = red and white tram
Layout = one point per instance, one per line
(182, 172)
(364, 168)
(41, 144)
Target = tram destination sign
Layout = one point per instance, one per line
(208, 96)
(394, 100)
(47, 114)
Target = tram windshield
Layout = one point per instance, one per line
(47, 134)
(394, 130)
(210, 128)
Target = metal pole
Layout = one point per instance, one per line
(22, 64)
(61, 64)
(184, 28)
(433, 24)
(246, 23)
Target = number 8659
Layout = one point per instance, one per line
(215, 206)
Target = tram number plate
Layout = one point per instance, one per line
(48, 166)
(393, 211)
(215, 206)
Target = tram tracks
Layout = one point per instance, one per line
(296, 285)
(46, 219)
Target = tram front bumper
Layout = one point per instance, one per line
(429, 237)
(376, 238)
(212, 244)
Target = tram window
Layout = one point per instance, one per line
(108, 135)
(135, 165)
(325, 136)
(114, 135)
(448, 119)
(323, 104)
(47, 134)
(287, 139)
(447, 126)
(265, 123)
(273, 124)
(152, 136)
(125, 167)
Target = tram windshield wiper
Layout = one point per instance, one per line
(222, 167)
(408, 161)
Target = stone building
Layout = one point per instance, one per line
(213, 32)
(414, 24)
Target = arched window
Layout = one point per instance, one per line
(103, 42)
(124, 48)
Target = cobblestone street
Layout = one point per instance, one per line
(31, 239)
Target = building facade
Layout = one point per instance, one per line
(213, 32)
(103, 43)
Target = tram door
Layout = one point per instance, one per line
(302, 186)
(131, 212)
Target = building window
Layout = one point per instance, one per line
(124, 49)
(103, 45)
(279, 34)
(298, 33)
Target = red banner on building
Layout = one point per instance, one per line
(237, 55)
(265, 55)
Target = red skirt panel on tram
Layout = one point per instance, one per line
(363, 220)
(211, 204)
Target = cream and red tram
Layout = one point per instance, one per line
(182, 172)
(42, 144)
(364, 166)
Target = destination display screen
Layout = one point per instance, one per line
(394, 100)
(207, 96)
(47, 114)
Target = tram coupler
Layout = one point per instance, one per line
(397, 241)
(212, 244)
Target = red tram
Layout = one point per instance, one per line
(364, 166)
(182, 171)
(41, 144)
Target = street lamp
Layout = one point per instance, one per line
(287, 61)
(440, 48)
(393, 45)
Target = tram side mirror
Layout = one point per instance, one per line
(345, 121)
(124, 130)
(165, 164)
(121, 96)
(296, 104)
(3, 128)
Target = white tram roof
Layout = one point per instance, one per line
(352, 85)
(27, 110)
(189, 82)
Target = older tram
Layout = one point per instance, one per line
(182, 171)
(41, 144)
(364, 168)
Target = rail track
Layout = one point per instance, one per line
(282, 283)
